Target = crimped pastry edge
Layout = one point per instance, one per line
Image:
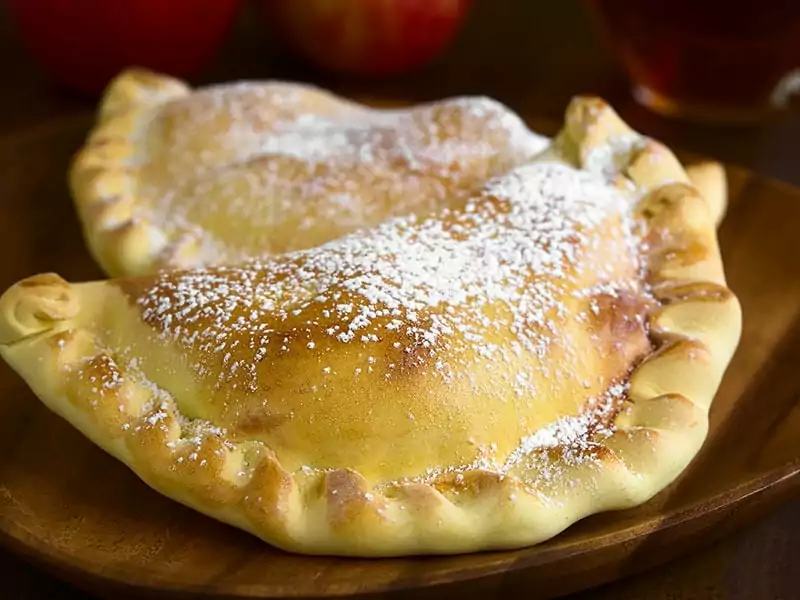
(661, 429)
(102, 175)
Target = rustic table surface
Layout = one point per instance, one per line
(532, 56)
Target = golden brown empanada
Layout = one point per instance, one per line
(480, 376)
(172, 177)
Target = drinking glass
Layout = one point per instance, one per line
(720, 60)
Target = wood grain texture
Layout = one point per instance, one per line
(67, 506)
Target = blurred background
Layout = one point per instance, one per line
(57, 55)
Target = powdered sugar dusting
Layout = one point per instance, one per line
(575, 437)
(610, 157)
(253, 169)
(500, 264)
(543, 458)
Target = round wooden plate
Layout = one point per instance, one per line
(76, 511)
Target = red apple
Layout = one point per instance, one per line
(84, 43)
(366, 37)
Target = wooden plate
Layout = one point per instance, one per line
(76, 511)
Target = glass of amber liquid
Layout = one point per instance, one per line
(720, 60)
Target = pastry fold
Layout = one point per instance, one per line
(479, 376)
(171, 177)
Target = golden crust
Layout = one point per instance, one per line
(298, 153)
(708, 176)
(174, 178)
(60, 339)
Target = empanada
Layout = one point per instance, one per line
(477, 377)
(171, 177)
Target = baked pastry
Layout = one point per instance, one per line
(479, 377)
(171, 177)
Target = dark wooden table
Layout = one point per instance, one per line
(533, 56)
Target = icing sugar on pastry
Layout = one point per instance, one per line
(173, 177)
(480, 373)
(486, 297)
(254, 169)
(517, 248)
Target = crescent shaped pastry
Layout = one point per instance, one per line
(172, 177)
(477, 377)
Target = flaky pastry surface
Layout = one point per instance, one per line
(477, 377)
(174, 177)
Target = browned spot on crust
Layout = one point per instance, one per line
(346, 495)
(421, 495)
(672, 344)
(471, 482)
(272, 486)
(413, 359)
(102, 371)
(342, 486)
(619, 324)
(662, 200)
(45, 279)
(669, 240)
(692, 292)
(682, 252)
(260, 422)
